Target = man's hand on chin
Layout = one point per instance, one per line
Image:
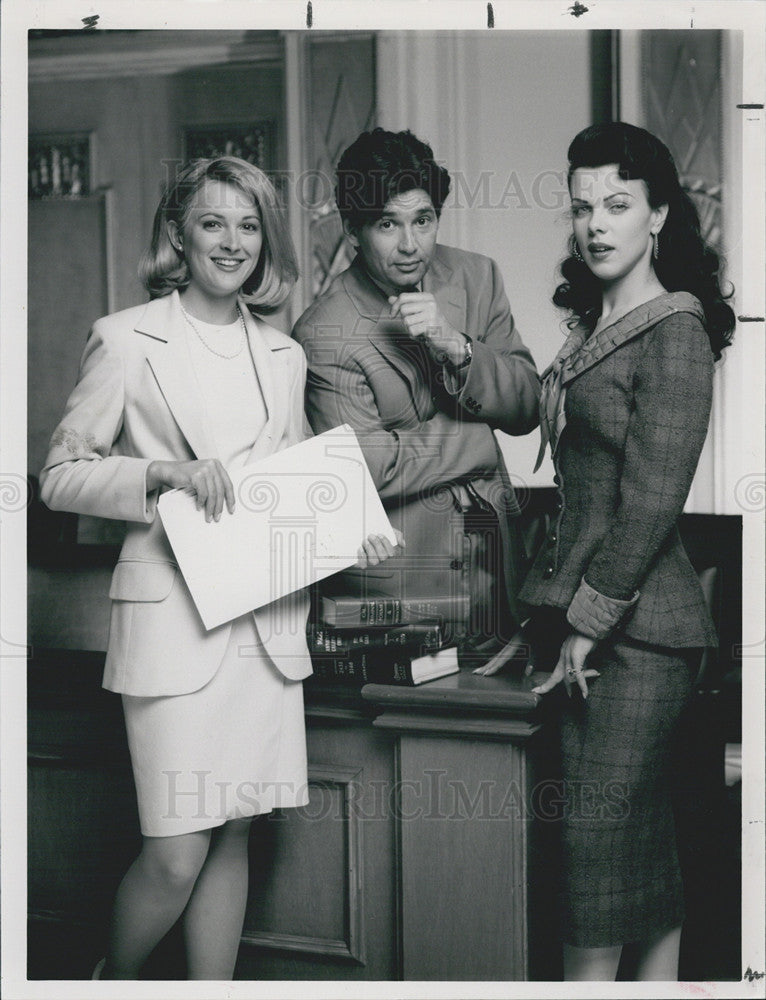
(420, 313)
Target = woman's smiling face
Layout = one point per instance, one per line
(221, 238)
(613, 222)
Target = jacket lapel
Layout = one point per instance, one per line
(163, 326)
(267, 371)
(388, 336)
(371, 303)
(628, 327)
(451, 298)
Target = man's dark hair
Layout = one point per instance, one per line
(380, 165)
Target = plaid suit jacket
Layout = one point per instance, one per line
(638, 397)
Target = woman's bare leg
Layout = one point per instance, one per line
(658, 958)
(591, 964)
(216, 910)
(151, 897)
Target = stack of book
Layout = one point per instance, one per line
(385, 640)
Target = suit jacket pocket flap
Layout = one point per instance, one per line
(138, 580)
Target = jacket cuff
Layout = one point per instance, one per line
(150, 498)
(595, 614)
(454, 379)
(455, 375)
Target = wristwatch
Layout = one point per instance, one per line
(467, 356)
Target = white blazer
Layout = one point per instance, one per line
(136, 401)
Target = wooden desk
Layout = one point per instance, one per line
(475, 887)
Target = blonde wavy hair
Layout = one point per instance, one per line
(163, 268)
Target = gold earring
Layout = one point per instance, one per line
(656, 246)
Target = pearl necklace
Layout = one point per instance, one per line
(212, 350)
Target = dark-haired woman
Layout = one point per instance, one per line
(179, 393)
(625, 409)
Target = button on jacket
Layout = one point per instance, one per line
(637, 405)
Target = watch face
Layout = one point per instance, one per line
(467, 355)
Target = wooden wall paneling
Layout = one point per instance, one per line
(129, 121)
(83, 835)
(290, 908)
(239, 94)
(322, 896)
(68, 607)
(67, 242)
(82, 820)
(544, 804)
(463, 861)
(474, 860)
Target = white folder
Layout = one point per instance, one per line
(300, 516)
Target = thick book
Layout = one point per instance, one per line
(346, 612)
(425, 637)
(382, 666)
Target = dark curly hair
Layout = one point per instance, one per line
(685, 262)
(380, 165)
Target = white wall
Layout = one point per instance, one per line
(496, 109)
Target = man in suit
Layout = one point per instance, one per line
(415, 347)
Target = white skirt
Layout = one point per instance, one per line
(234, 748)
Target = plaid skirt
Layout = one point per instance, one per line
(621, 881)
